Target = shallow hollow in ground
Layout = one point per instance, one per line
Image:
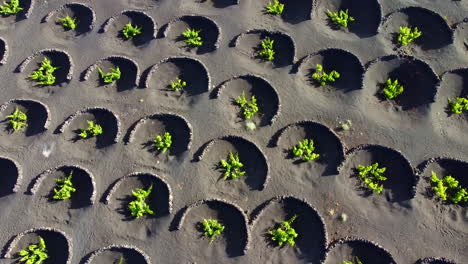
(344, 62)
(310, 242)
(418, 79)
(209, 32)
(249, 44)
(326, 143)
(266, 97)
(233, 241)
(366, 251)
(83, 14)
(10, 177)
(401, 180)
(36, 112)
(113, 28)
(367, 16)
(436, 33)
(115, 254)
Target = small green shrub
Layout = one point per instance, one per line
(305, 150)
(93, 130)
(324, 78)
(139, 207)
(17, 120)
(372, 176)
(45, 74)
(248, 108)
(357, 261)
(232, 167)
(129, 31)
(266, 50)
(274, 8)
(341, 18)
(68, 22)
(121, 260)
(111, 76)
(10, 8)
(285, 233)
(178, 84)
(192, 37)
(408, 35)
(65, 188)
(163, 143)
(392, 89)
(212, 228)
(458, 105)
(449, 188)
(35, 253)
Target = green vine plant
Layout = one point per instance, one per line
(232, 167)
(93, 130)
(111, 76)
(285, 233)
(139, 207)
(305, 150)
(266, 50)
(408, 35)
(44, 75)
(448, 188)
(17, 120)
(163, 143)
(248, 108)
(35, 253)
(121, 260)
(458, 105)
(65, 188)
(341, 18)
(372, 176)
(192, 37)
(274, 8)
(177, 85)
(129, 31)
(68, 23)
(356, 261)
(212, 228)
(10, 8)
(324, 78)
(392, 89)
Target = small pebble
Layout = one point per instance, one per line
(343, 217)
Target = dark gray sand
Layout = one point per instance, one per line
(337, 218)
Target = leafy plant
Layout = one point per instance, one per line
(341, 17)
(212, 228)
(121, 260)
(192, 37)
(66, 188)
(129, 31)
(178, 84)
(111, 76)
(232, 167)
(68, 22)
(324, 78)
(139, 207)
(266, 49)
(305, 150)
(10, 8)
(45, 74)
(285, 233)
(163, 143)
(35, 253)
(17, 120)
(372, 176)
(408, 35)
(449, 188)
(93, 130)
(357, 261)
(248, 108)
(274, 8)
(458, 105)
(392, 89)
